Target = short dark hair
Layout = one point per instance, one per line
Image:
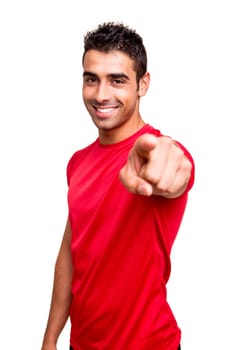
(116, 36)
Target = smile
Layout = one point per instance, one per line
(105, 110)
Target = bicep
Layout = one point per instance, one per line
(64, 255)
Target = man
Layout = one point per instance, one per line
(127, 195)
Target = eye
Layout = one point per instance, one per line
(90, 80)
(118, 81)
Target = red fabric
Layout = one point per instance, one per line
(120, 249)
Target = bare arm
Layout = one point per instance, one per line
(156, 166)
(61, 296)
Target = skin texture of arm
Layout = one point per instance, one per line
(61, 295)
(156, 166)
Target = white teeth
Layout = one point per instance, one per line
(105, 110)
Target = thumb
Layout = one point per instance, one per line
(134, 183)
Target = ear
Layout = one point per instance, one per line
(144, 83)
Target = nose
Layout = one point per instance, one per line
(103, 92)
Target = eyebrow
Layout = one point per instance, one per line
(110, 75)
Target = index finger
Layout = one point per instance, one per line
(145, 144)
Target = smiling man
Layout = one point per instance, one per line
(127, 194)
(112, 96)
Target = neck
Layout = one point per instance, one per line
(120, 133)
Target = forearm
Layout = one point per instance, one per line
(59, 310)
(61, 295)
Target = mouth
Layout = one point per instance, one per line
(104, 112)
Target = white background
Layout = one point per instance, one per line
(43, 121)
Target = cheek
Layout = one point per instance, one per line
(126, 95)
(83, 92)
(130, 98)
(86, 94)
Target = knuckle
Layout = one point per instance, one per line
(186, 166)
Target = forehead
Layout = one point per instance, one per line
(108, 62)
